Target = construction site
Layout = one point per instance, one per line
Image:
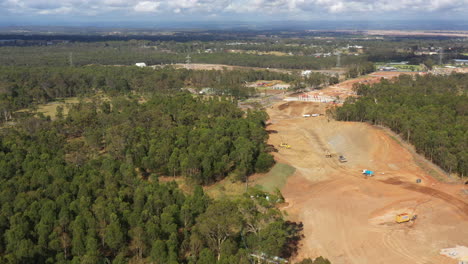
(363, 195)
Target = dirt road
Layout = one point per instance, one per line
(349, 218)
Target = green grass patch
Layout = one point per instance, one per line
(50, 109)
(226, 189)
(276, 178)
(404, 67)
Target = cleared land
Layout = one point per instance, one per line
(50, 109)
(275, 179)
(349, 218)
(345, 89)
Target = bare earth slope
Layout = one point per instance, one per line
(349, 218)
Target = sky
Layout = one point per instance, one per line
(93, 12)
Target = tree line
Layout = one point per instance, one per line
(429, 111)
(360, 69)
(21, 87)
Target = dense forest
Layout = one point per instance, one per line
(84, 188)
(429, 111)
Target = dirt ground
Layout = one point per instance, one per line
(349, 218)
(345, 89)
(218, 67)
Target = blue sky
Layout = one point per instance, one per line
(47, 12)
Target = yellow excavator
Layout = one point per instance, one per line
(405, 217)
(283, 144)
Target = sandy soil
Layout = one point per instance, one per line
(349, 218)
(345, 89)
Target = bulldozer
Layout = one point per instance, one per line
(405, 217)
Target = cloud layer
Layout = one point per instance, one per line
(318, 8)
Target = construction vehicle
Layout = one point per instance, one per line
(342, 159)
(283, 144)
(368, 173)
(405, 217)
(328, 154)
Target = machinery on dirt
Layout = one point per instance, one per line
(285, 145)
(342, 159)
(328, 154)
(405, 217)
(368, 173)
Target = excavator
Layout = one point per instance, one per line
(405, 217)
(284, 145)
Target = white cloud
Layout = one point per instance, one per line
(241, 7)
(147, 6)
(55, 11)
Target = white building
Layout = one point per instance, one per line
(306, 73)
(281, 86)
(140, 64)
(461, 62)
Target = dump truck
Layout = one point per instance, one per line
(368, 173)
(342, 159)
(405, 217)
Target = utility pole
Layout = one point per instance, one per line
(338, 59)
(441, 55)
(70, 59)
(188, 61)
